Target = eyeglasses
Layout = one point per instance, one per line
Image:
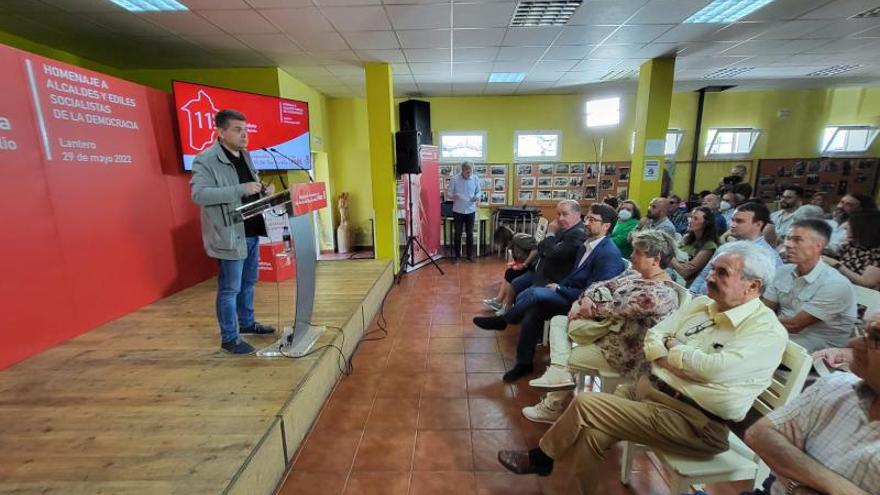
(590, 219)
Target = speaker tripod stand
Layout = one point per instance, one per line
(408, 258)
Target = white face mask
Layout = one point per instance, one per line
(624, 215)
(724, 206)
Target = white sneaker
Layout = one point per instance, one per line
(546, 411)
(554, 377)
(492, 304)
(501, 312)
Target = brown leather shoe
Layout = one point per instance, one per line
(517, 461)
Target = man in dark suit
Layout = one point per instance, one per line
(597, 259)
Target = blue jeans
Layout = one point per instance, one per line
(235, 291)
(522, 282)
(533, 306)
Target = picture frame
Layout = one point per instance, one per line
(526, 182)
(524, 169)
(496, 170)
(545, 169)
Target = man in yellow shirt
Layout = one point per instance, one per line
(710, 361)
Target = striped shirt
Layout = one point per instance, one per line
(832, 416)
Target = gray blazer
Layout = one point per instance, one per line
(216, 190)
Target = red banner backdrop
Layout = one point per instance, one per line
(425, 188)
(96, 214)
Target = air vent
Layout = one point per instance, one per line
(544, 13)
(875, 12)
(834, 70)
(618, 74)
(727, 73)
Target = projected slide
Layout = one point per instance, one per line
(273, 123)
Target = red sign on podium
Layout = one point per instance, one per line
(308, 197)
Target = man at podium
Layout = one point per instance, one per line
(223, 179)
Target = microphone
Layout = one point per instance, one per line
(291, 160)
(280, 175)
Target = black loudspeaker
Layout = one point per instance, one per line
(415, 115)
(406, 143)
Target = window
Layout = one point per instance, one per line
(730, 141)
(673, 140)
(463, 145)
(537, 145)
(847, 139)
(603, 112)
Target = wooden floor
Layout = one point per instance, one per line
(149, 404)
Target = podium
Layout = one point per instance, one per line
(299, 200)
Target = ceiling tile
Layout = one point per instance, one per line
(543, 76)
(239, 21)
(275, 4)
(784, 10)
(667, 11)
(439, 89)
(483, 15)
(429, 68)
(751, 48)
(219, 42)
(358, 18)
(212, 4)
(532, 87)
(338, 56)
(705, 49)
(842, 29)
(554, 65)
(794, 47)
(521, 53)
(345, 70)
(605, 11)
(500, 89)
(371, 40)
(182, 22)
(470, 67)
(868, 33)
(713, 62)
(653, 50)
(400, 69)
(275, 43)
(128, 24)
(615, 51)
(791, 30)
(513, 66)
(687, 32)
(638, 34)
(579, 76)
(593, 65)
(339, 3)
(739, 31)
(427, 54)
(84, 6)
(328, 41)
(577, 35)
(299, 21)
(467, 89)
(568, 52)
(432, 78)
(403, 79)
(424, 38)
(474, 54)
(840, 9)
(390, 56)
(847, 45)
(470, 77)
(536, 36)
(419, 16)
(478, 37)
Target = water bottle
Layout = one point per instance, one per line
(285, 239)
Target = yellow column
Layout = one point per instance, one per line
(380, 122)
(652, 119)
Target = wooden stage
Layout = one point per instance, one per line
(149, 404)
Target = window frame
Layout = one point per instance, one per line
(612, 124)
(679, 133)
(459, 159)
(554, 158)
(823, 146)
(711, 138)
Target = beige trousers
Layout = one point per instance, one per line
(593, 422)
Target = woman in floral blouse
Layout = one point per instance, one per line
(612, 317)
(858, 258)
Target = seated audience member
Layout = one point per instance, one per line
(729, 201)
(628, 216)
(847, 205)
(678, 214)
(713, 202)
(736, 182)
(748, 222)
(609, 323)
(699, 243)
(555, 255)
(859, 258)
(710, 360)
(789, 202)
(826, 440)
(814, 303)
(656, 217)
(598, 259)
(819, 200)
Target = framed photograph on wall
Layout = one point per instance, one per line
(545, 195)
(480, 169)
(497, 170)
(560, 181)
(485, 183)
(500, 185)
(484, 197)
(592, 170)
(622, 192)
(590, 192)
(578, 168)
(624, 174)
(445, 169)
(545, 169)
(526, 182)
(562, 168)
(524, 169)
(560, 194)
(525, 195)
(609, 170)
(606, 184)
(545, 181)
(498, 198)
(576, 181)
(575, 194)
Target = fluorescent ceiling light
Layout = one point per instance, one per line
(727, 73)
(534, 13)
(725, 11)
(150, 5)
(834, 70)
(506, 77)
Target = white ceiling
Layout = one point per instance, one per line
(450, 47)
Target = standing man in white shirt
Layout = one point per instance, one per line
(814, 302)
(464, 191)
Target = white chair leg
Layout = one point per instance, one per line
(626, 461)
